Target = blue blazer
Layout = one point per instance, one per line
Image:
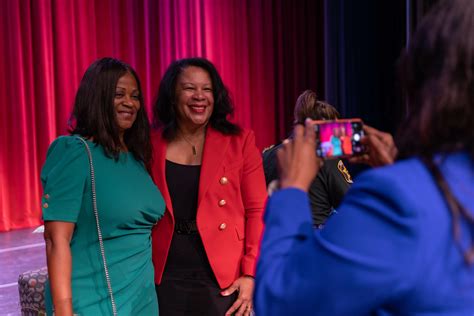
(389, 251)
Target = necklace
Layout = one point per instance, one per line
(193, 147)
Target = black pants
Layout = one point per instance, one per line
(179, 297)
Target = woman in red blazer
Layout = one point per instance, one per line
(211, 176)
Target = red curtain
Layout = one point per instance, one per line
(266, 51)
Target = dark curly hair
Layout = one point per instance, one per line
(93, 115)
(164, 111)
(437, 73)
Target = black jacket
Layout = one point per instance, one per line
(326, 190)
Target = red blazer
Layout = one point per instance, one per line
(231, 199)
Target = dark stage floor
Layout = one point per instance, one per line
(20, 250)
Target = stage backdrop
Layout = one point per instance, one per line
(267, 52)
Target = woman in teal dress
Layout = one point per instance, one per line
(109, 114)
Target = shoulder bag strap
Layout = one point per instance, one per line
(99, 232)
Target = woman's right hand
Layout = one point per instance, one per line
(380, 148)
(63, 308)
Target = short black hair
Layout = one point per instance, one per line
(94, 117)
(164, 111)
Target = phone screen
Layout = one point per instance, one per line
(340, 138)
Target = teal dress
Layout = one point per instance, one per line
(129, 204)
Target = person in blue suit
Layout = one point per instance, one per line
(405, 243)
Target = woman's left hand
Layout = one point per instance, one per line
(380, 148)
(243, 305)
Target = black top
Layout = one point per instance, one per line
(186, 256)
(326, 190)
(183, 186)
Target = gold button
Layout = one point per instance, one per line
(222, 202)
(45, 205)
(222, 226)
(46, 196)
(224, 180)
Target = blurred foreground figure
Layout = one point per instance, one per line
(405, 244)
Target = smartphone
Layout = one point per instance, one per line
(339, 139)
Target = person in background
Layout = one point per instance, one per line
(109, 116)
(404, 245)
(333, 180)
(336, 142)
(210, 172)
(346, 142)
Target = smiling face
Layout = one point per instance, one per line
(126, 102)
(194, 98)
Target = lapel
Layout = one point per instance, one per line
(160, 158)
(213, 155)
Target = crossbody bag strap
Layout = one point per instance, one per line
(99, 231)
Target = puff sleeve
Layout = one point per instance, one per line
(64, 176)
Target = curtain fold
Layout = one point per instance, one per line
(265, 58)
(363, 41)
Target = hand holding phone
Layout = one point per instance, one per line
(297, 159)
(380, 148)
(339, 138)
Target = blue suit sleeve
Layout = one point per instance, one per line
(361, 260)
